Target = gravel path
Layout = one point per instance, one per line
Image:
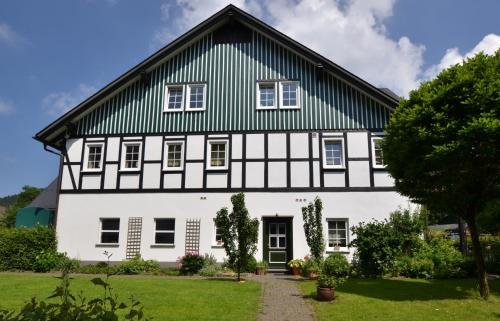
(282, 300)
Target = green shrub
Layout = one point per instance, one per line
(311, 265)
(251, 265)
(334, 272)
(191, 264)
(210, 266)
(47, 261)
(137, 266)
(19, 247)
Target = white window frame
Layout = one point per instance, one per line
(165, 155)
(124, 155)
(331, 139)
(86, 157)
(209, 154)
(167, 98)
(115, 231)
(297, 95)
(257, 100)
(374, 161)
(188, 97)
(215, 243)
(163, 231)
(340, 248)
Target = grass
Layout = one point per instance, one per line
(405, 299)
(163, 298)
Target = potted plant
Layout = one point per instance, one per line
(334, 272)
(261, 268)
(311, 268)
(296, 266)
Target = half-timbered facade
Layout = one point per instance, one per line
(231, 106)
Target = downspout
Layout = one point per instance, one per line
(59, 179)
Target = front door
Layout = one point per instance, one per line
(277, 242)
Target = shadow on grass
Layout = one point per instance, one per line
(415, 290)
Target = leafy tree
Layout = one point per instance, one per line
(489, 219)
(442, 144)
(313, 227)
(239, 233)
(23, 199)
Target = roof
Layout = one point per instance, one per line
(54, 132)
(47, 198)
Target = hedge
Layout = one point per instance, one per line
(20, 246)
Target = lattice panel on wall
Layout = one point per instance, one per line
(134, 237)
(192, 236)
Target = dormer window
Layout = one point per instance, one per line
(195, 97)
(266, 95)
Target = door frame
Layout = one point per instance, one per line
(288, 220)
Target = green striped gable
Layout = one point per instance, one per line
(230, 71)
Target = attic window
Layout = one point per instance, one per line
(289, 95)
(195, 97)
(174, 99)
(266, 95)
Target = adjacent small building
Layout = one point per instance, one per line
(231, 106)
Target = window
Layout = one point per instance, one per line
(377, 153)
(277, 235)
(289, 95)
(93, 157)
(110, 230)
(174, 155)
(131, 159)
(333, 154)
(175, 98)
(165, 231)
(266, 96)
(196, 97)
(218, 235)
(337, 233)
(217, 158)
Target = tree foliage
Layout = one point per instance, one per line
(313, 227)
(23, 199)
(239, 233)
(442, 144)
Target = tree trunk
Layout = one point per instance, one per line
(463, 236)
(478, 257)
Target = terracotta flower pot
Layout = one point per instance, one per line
(296, 271)
(260, 270)
(325, 294)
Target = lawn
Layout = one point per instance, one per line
(404, 299)
(163, 298)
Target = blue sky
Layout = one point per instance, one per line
(53, 54)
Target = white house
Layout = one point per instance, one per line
(231, 106)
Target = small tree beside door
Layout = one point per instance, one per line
(313, 228)
(239, 233)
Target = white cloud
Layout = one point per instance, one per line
(489, 44)
(351, 33)
(60, 102)
(7, 35)
(6, 107)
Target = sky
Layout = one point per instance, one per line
(54, 54)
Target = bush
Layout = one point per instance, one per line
(191, 264)
(251, 265)
(311, 265)
(334, 272)
(19, 247)
(51, 260)
(137, 266)
(210, 266)
(379, 243)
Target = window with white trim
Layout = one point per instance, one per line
(337, 233)
(289, 95)
(165, 231)
(266, 95)
(218, 235)
(333, 153)
(131, 156)
(195, 97)
(377, 153)
(93, 156)
(217, 154)
(174, 155)
(174, 98)
(110, 230)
